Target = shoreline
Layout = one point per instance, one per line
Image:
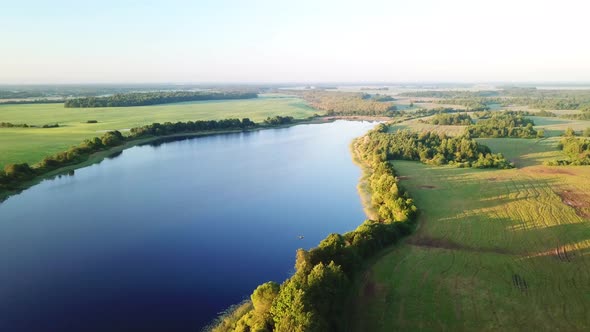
(235, 314)
(98, 157)
(362, 188)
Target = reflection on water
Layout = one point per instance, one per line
(115, 155)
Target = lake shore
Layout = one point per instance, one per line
(363, 188)
(97, 157)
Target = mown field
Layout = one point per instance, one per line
(32, 144)
(496, 250)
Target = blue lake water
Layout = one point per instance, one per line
(162, 238)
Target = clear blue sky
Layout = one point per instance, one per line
(66, 41)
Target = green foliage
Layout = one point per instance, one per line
(459, 119)
(31, 145)
(228, 321)
(581, 116)
(474, 105)
(569, 132)
(503, 124)
(153, 98)
(576, 148)
(24, 125)
(392, 203)
(381, 98)
(278, 120)
(313, 298)
(12, 125)
(17, 171)
(169, 128)
(264, 295)
(347, 103)
(112, 138)
(472, 226)
(290, 311)
(531, 97)
(586, 132)
(15, 174)
(453, 94)
(258, 317)
(429, 148)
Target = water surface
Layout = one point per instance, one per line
(162, 238)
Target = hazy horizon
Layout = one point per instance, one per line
(277, 42)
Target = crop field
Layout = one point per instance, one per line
(495, 250)
(32, 144)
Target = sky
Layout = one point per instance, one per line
(214, 41)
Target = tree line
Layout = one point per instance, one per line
(503, 124)
(346, 103)
(14, 175)
(24, 125)
(534, 98)
(153, 98)
(314, 298)
(432, 148)
(459, 119)
(585, 115)
(33, 101)
(471, 105)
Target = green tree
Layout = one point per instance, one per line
(263, 296)
(18, 170)
(112, 138)
(569, 132)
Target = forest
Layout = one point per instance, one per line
(347, 103)
(544, 99)
(153, 98)
(431, 148)
(503, 124)
(459, 119)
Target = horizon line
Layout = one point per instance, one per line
(317, 83)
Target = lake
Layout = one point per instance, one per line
(163, 237)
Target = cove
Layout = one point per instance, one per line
(163, 237)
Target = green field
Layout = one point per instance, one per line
(32, 144)
(495, 250)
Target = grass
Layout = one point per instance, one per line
(33, 144)
(495, 249)
(416, 125)
(556, 126)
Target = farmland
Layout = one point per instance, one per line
(32, 144)
(494, 249)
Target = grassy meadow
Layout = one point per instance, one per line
(32, 144)
(495, 250)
